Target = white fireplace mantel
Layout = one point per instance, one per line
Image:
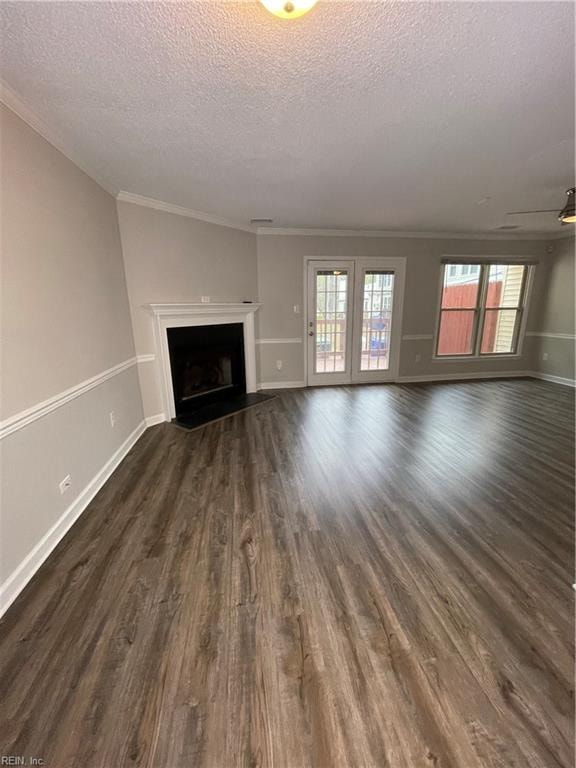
(181, 315)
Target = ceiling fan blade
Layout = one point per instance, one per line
(520, 213)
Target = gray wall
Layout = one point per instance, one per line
(281, 286)
(556, 321)
(64, 319)
(172, 258)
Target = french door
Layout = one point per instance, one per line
(353, 320)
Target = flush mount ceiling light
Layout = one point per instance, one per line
(288, 9)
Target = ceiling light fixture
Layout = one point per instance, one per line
(568, 213)
(288, 9)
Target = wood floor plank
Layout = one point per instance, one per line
(355, 577)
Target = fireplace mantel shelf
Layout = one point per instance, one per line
(207, 308)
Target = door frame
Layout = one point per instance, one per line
(398, 266)
(344, 377)
(395, 263)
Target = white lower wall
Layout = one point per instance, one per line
(77, 439)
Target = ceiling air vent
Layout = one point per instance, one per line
(261, 221)
(508, 226)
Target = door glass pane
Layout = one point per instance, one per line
(455, 334)
(461, 283)
(505, 285)
(376, 320)
(499, 331)
(331, 316)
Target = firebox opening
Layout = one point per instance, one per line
(211, 375)
(207, 365)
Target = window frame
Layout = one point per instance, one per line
(480, 309)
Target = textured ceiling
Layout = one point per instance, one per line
(361, 114)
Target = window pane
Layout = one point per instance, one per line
(505, 285)
(461, 282)
(498, 333)
(376, 320)
(455, 334)
(331, 310)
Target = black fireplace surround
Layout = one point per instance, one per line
(207, 365)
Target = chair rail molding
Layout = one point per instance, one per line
(22, 419)
(180, 315)
(551, 335)
(417, 336)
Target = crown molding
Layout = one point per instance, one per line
(160, 205)
(19, 106)
(11, 99)
(388, 233)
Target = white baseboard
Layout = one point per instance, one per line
(18, 579)
(281, 384)
(158, 418)
(554, 379)
(461, 376)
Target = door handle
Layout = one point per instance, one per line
(310, 333)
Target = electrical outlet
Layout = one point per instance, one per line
(112, 419)
(544, 355)
(65, 484)
(296, 309)
(205, 299)
(417, 358)
(279, 365)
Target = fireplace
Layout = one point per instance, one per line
(207, 366)
(187, 335)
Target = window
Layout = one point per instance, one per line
(331, 313)
(377, 320)
(481, 309)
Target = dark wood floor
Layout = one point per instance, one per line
(343, 577)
